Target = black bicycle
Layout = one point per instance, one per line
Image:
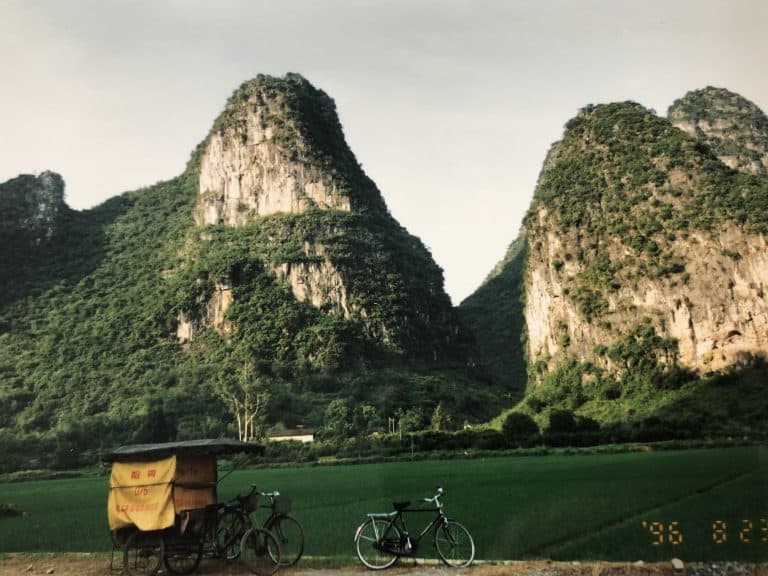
(384, 537)
(283, 526)
(234, 522)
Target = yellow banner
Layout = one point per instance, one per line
(140, 494)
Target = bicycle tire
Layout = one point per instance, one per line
(143, 553)
(260, 551)
(290, 536)
(232, 524)
(368, 541)
(454, 544)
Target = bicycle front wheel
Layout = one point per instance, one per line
(290, 535)
(371, 543)
(454, 544)
(260, 552)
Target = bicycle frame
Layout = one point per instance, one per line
(397, 519)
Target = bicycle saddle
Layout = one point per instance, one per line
(401, 505)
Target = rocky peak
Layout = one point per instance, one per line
(735, 128)
(293, 202)
(31, 206)
(278, 147)
(635, 223)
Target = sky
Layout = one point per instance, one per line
(449, 105)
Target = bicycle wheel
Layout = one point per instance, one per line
(143, 553)
(454, 544)
(260, 551)
(290, 536)
(183, 557)
(371, 544)
(232, 524)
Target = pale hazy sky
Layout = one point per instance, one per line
(449, 105)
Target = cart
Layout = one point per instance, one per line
(163, 509)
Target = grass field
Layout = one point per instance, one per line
(613, 507)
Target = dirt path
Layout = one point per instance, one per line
(98, 565)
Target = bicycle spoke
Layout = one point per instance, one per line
(454, 544)
(368, 543)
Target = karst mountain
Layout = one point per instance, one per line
(641, 268)
(271, 273)
(272, 258)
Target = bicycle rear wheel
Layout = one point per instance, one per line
(232, 524)
(370, 543)
(260, 552)
(290, 535)
(454, 544)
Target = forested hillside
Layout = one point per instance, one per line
(139, 320)
(643, 281)
(268, 286)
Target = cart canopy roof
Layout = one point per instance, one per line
(208, 447)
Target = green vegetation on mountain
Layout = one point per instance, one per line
(623, 203)
(733, 127)
(622, 171)
(89, 353)
(136, 322)
(494, 313)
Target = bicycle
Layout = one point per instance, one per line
(287, 530)
(219, 531)
(237, 537)
(384, 537)
(234, 521)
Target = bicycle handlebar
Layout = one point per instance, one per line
(436, 498)
(273, 494)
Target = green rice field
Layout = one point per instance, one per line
(697, 505)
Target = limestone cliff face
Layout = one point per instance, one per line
(32, 207)
(316, 281)
(735, 128)
(278, 147)
(245, 172)
(634, 221)
(211, 313)
(276, 167)
(718, 314)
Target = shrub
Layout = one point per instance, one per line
(520, 429)
(9, 511)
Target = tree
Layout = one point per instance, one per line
(441, 418)
(365, 419)
(336, 420)
(519, 428)
(156, 426)
(411, 420)
(247, 394)
(561, 422)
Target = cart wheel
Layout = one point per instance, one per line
(260, 551)
(143, 553)
(183, 558)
